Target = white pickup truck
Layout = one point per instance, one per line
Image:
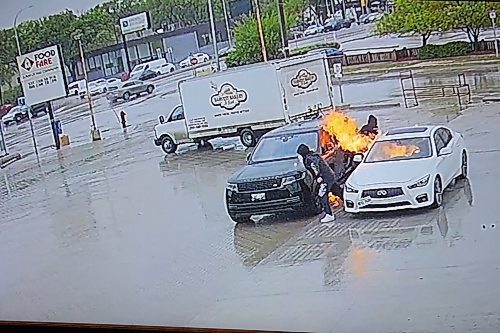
(246, 102)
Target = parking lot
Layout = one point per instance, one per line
(116, 232)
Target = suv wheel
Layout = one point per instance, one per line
(150, 89)
(126, 96)
(18, 118)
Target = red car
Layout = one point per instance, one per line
(4, 109)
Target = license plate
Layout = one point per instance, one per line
(258, 196)
(365, 201)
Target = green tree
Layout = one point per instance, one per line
(247, 40)
(419, 17)
(471, 17)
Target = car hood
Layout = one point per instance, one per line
(390, 172)
(266, 170)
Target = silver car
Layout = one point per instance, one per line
(129, 89)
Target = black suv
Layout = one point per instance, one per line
(273, 181)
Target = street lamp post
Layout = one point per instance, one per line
(214, 35)
(19, 53)
(15, 28)
(229, 38)
(94, 132)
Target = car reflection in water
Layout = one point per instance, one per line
(347, 244)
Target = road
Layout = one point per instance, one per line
(116, 232)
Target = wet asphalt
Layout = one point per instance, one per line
(115, 232)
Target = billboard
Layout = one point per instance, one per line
(134, 23)
(42, 75)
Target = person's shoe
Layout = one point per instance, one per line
(327, 218)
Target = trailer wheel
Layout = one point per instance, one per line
(168, 145)
(248, 137)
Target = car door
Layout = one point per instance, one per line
(137, 87)
(444, 150)
(178, 124)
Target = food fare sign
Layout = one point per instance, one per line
(42, 75)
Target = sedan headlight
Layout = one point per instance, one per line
(350, 189)
(232, 187)
(420, 183)
(292, 179)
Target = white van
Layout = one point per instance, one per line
(76, 88)
(154, 65)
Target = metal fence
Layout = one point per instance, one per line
(405, 54)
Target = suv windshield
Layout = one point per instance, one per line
(399, 149)
(283, 146)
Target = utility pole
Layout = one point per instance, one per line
(214, 35)
(94, 132)
(284, 37)
(493, 16)
(261, 31)
(18, 44)
(226, 19)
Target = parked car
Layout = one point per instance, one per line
(129, 89)
(329, 52)
(313, 30)
(4, 109)
(76, 87)
(37, 109)
(335, 24)
(154, 65)
(114, 81)
(406, 168)
(195, 57)
(273, 181)
(146, 75)
(225, 51)
(166, 68)
(16, 115)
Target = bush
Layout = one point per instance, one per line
(247, 40)
(453, 49)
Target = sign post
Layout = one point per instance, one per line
(493, 16)
(337, 71)
(43, 80)
(130, 24)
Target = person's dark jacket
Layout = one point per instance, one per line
(315, 164)
(371, 127)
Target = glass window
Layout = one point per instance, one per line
(445, 135)
(439, 142)
(283, 146)
(399, 149)
(178, 114)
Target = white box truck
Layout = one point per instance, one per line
(246, 102)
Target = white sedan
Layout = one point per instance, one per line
(195, 58)
(406, 168)
(313, 30)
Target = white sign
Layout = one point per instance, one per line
(42, 75)
(337, 70)
(134, 23)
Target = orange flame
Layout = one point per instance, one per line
(393, 150)
(334, 200)
(344, 130)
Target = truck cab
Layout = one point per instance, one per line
(171, 132)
